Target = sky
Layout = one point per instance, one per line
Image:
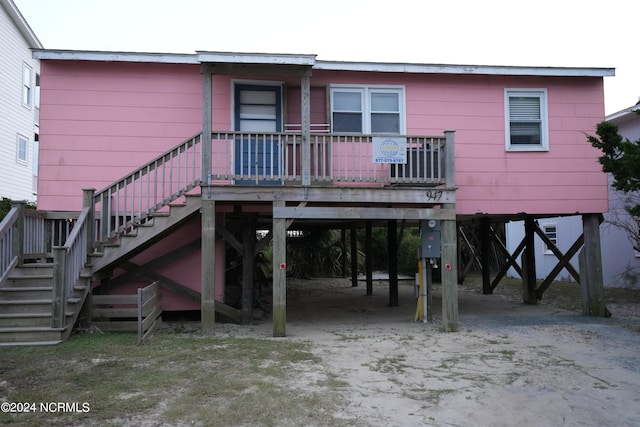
(563, 33)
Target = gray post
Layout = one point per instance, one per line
(279, 274)
(305, 99)
(449, 245)
(208, 302)
(591, 280)
(59, 300)
(88, 202)
(207, 105)
(18, 241)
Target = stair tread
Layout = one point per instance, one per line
(28, 343)
(26, 301)
(30, 329)
(23, 315)
(29, 276)
(26, 288)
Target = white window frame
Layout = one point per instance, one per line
(19, 139)
(541, 94)
(27, 86)
(365, 95)
(548, 251)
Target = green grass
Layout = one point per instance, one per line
(173, 379)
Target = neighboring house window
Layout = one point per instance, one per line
(367, 110)
(526, 121)
(551, 231)
(26, 86)
(21, 149)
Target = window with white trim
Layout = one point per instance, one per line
(526, 120)
(551, 231)
(27, 86)
(22, 147)
(367, 109)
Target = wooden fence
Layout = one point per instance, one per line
(128, 313)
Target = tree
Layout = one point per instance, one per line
(621, 158)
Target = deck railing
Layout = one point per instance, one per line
(132, 200)
(246, 157)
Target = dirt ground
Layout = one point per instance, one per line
(509, 364)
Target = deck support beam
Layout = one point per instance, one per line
(485, 248)
(449, 245)
(208, 307)
(591, 284)
(279, 273)
(354, 255)
(529, 284)
(368, 257)
(248, 268)
(392, 242)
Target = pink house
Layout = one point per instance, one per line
(297, 141)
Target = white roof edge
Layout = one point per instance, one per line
(257, 58)
(310, 60)
(623, 113)
(77, 55)
(22, 24)
(464, 69)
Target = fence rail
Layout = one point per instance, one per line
(139, 312)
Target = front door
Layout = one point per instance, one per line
(258, 110)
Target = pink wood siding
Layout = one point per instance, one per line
(567, 179)
(101, 120)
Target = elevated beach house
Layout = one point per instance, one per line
(158, 165)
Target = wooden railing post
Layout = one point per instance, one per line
(88, 202)
(59, 289)
(450, 159)
(18, 241)
(305, 106)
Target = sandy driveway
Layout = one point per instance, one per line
(509, 365)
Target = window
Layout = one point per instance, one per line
(26, 86)
(526, 120)
(367, 110)
(551, 231)
(21, 149)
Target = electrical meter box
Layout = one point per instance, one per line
(430, 238)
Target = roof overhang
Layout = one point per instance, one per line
(305, 60)
(21, 24)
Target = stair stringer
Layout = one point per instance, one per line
(142, 237)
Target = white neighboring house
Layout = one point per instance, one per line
(19, 105)
(620, 262)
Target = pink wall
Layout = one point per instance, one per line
(101, 120)
(566, 179)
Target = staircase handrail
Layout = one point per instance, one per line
(133, 199)
(68, 262)
(9, 242)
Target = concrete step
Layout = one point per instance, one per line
(26, 292)
(30, 334)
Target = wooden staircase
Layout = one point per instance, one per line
(115, 224)
(145, 234)
(26, 301)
